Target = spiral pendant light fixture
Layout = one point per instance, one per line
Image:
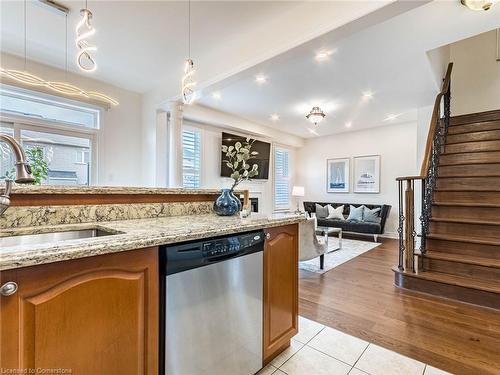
(29, 79)
(84, 30)
(188, 82)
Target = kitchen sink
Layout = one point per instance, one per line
(41, 238)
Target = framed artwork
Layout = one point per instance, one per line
(338, 175)
(367, 174)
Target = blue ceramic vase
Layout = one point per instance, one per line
(227, 204)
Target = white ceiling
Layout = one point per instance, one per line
(142, 44)
(387, 58)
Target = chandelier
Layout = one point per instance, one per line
(479, 4)
(316, 115)
(30, 79)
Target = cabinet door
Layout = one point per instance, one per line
(96, 315)
(280, 289)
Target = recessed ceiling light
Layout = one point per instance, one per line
(348, 124)
(323, 55)
(216, 95)
(274, 117)
(391, 117)
(260, 79)
(367, 94)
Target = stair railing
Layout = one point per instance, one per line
(436, 138)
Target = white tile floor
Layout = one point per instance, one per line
(318, 350)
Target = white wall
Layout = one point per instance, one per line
(475, 84)
(397, 146)
(119, 145)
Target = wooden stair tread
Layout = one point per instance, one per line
(466, 282)
(473, 137)
(463, 221)
(469, 259)
(473, 118)
(468, 239)
(466, 204)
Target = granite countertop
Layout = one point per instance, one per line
(54, 189)
(132, 234)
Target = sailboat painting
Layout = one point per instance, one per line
(338, 175)
(367, 174)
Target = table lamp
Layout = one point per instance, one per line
(298, 191)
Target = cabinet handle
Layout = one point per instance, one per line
(8, 289)
(268, 236)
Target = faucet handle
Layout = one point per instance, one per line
(8, 187)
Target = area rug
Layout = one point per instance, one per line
(350, 249)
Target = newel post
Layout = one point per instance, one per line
(409, 230)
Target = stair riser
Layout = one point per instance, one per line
(469, 183)
(457, 148)
(470, 158)
(461, 269)
(478, 127)
(484, 170)
(467, 213)
(467, 196)
(463, 248)
(491, 135)
(461, 229)
(474, 118)
(440, 289)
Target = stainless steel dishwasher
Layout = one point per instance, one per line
(212, 306)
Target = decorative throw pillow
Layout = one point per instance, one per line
(356, 213)
(321, 212)
(335, 213)
(371, 216)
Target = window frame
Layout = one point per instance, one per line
(57, 101)
(194, 129)
(19, 123)
(275, 148)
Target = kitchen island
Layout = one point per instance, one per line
(91, 305)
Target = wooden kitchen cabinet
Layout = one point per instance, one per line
(96, 315)
(280, 289)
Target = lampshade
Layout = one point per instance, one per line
(298, 191)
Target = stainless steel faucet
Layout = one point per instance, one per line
(23, 171)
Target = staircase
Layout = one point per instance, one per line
(459, 256)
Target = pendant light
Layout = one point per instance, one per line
(188, 82)
(316, 115)
(64, 88)
(84, 30)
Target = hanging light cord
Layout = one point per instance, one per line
(25, 36)
(189, 29)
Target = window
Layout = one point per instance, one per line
(38, 106)
(66, 133)
(281, 179)
(191, 150)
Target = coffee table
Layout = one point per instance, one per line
(325, 231)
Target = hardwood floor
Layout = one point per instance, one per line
(359, 298)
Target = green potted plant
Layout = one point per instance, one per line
(38, 164)
(237, 158)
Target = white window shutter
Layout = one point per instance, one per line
(281, 179)
(191, 150)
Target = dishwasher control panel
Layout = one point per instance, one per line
(230, 245)
(192, 254)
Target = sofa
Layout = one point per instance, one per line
(359, 227)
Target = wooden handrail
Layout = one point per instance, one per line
(434, 122)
